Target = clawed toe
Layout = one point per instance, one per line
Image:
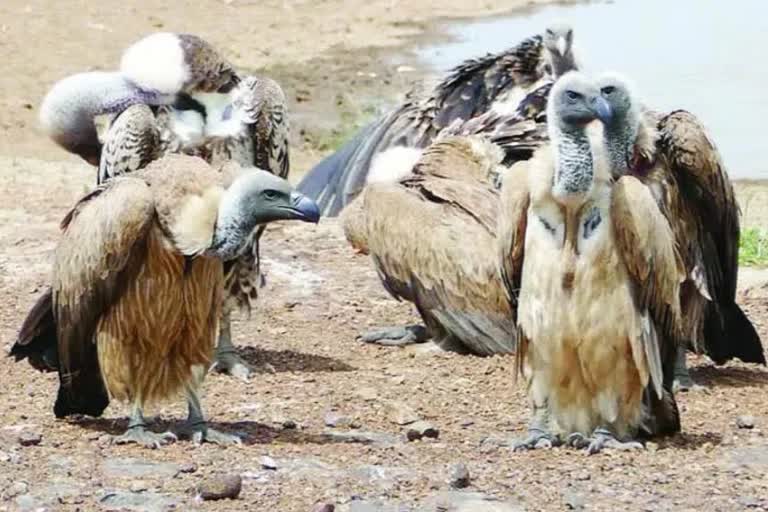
(199, 433)
(140, 436)
(602, 439)
(536, 440)
(396, 336)
(231, 363)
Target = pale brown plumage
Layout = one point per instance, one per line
(432, 239)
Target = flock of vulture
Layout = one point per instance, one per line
(521, 205)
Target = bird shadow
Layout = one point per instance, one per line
(733, 377)
(279, 361)
(251, 432)
(690, 440)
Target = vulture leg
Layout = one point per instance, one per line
(683, 380)
(196, 428)
(227, 358)
(603, 438)
(539, 435)
(137, 431)
(396, 336)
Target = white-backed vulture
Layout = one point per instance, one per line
(593, 269)
(134, 305)
(215, 114)
(497, 82)
(432, 239)
(673, 155)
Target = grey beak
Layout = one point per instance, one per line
(603, 110)
(304, 208)
(561, 46)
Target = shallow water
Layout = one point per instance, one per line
(701, 55)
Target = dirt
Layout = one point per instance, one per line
(318, 297)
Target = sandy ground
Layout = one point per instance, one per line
(319, 296)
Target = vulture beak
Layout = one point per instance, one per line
(304, 208)
(561, 45)
(603, 110)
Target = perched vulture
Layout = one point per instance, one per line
(592, 268)
(672, 154)
(217, 115)
(133, 309)
(432, 239)
(496, 82)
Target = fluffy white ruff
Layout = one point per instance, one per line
(156, 63)
(393, 164)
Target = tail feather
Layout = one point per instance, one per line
(730, 334)
(36, 341)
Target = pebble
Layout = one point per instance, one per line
(268, 462)
(138, 486)
(573, 500)
(401, 414)
(745, 421)
(324, 507)
(290, 425)
(16, 489)
(220, 487)
(334, 419)
(367, 394)
(421, 429)
(189, 467)
(459, 476)
(30, 438)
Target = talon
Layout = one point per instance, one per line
(577, 440)
(396, 336)
(231, 363)
(537, 439)
(139, 435)
(603, 438)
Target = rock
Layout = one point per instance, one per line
(268, 462)
(421, 429)
(290, 425)
(401, 414)
(367, 393)
(144, 502)
(334, 420)
(188, 467)
(363, 437)
(324, 507)
(745, 421)
(16, 489)
(28, 502)
(220, 487)
(458, 476)
(491, 444)
(138, 468)
(462, 501)
(573, 500)
(28, 438)
(138, 486)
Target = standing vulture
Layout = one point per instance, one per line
(593, 268)
(215, 114)
(495, 82)
(432, 239)
(134, 306)
(672, 154)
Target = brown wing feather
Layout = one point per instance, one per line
(647, 245)
(132, 142)
(101, 249)
(512, 222)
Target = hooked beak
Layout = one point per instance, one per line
(304, 208)
(603, 110)
(561, 46)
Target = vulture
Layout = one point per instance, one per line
(133, 310)
(672, 154)
(591, 266)
(215, 114)
(432, 236)
(496, 82)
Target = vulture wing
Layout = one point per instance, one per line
(102, 249)
(708, 195)
(132, 142)
(512, 223)
(647, 245)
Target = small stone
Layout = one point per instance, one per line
(139, 486)
(401, 414)
(268, 462)
(16, 489)
(368, 394)
(220, 487)
(582, 476)
(421, 429)
(189, 467)
(30, 438)
(334, 420)
(573, 501)
(324, 507)
(289, 425)
(459, 476)
(745, 421)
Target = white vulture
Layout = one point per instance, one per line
(175, 93)
(673, 155)
(496, 82)
(592, 268)
(133, 310)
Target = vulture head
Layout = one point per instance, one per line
(256, 197)
(558, 46)
(574, 103)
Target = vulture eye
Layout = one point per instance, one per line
(572, 95)
(608, 89)
(549, 32)
(270, 194)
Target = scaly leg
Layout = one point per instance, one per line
(683, 380)
(396, 336)
(196, 428)
(539, 435)
(227, 358)
(602, 438)
(137, 432)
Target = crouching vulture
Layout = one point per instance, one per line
(432, 239)
(133, 310)
(591, 265)
(672, 154)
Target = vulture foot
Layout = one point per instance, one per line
(231, 363)
(140, 435)
(537, 439)
(683, 380)
(199, 432)
(396, 336)
(603, 439)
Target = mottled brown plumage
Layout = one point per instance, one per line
(432, 239)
